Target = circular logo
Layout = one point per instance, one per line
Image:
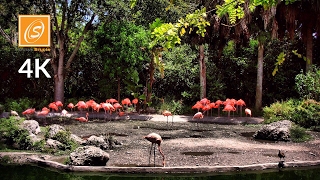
(34, 31)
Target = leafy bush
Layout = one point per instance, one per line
(19, 105)
(299, 134)
(308, 84)
(305, 113)
(13, 134)
(65, 138)
(279, 111)
(175, 107)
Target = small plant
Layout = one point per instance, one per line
(64, 138)
(38, 146)
(5, 159)
(299, 134)
(67, 161)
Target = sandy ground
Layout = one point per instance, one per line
(215, 141)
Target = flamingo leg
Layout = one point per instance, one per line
(163, 158)
(154, 155)
(150, 153)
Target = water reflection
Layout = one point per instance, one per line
(29, 172)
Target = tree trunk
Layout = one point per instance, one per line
(151, 80)
(309, 48)
(258, 105)
(118, 79)
(59, 76)
(203, 83)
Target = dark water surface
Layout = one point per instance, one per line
(30, 172)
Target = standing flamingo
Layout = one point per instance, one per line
(241, 103)
(155, 138)
(70, 106)
(247, 111)
(28, 112)
(198, 116)
(135, 102)
(229, 108)
(83, 119)
(218, 104)
(167, 113)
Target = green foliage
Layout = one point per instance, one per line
(39, 145)
(19, 105)
(235, 8)
(13, 135)
(280, 59)
(182, 72)
(5, 159)
(65, 138)
(122, 47)
(308, 84)
(165, 36)
(175, 107)
(299, 134)
(280, 111)
(305, 113)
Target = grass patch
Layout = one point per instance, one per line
(299, 134)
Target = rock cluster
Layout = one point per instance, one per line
(277, 131)
(89, 156)
(90, 153)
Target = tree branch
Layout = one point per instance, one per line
(6, 36)
(85, 30)
(64, 14)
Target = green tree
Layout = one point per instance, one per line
(122, 47)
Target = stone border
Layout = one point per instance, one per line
(25, 158)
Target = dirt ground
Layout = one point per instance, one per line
(214, 142)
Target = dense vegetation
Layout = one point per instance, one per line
(114, 61)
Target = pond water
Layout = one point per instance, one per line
(30, 172)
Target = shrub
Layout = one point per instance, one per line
(64, 138)
(299, 134)
(308, 84)
(175, 107)
(13, 134)
(307, 114)
(280, 111)
(19, 105)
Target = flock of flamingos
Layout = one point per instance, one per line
(112, 105)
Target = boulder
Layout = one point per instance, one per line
(89, 156)
(97, 142)
(77, 139)
(277, 131)
(32, 126)
(54, 144)
(54, 129)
